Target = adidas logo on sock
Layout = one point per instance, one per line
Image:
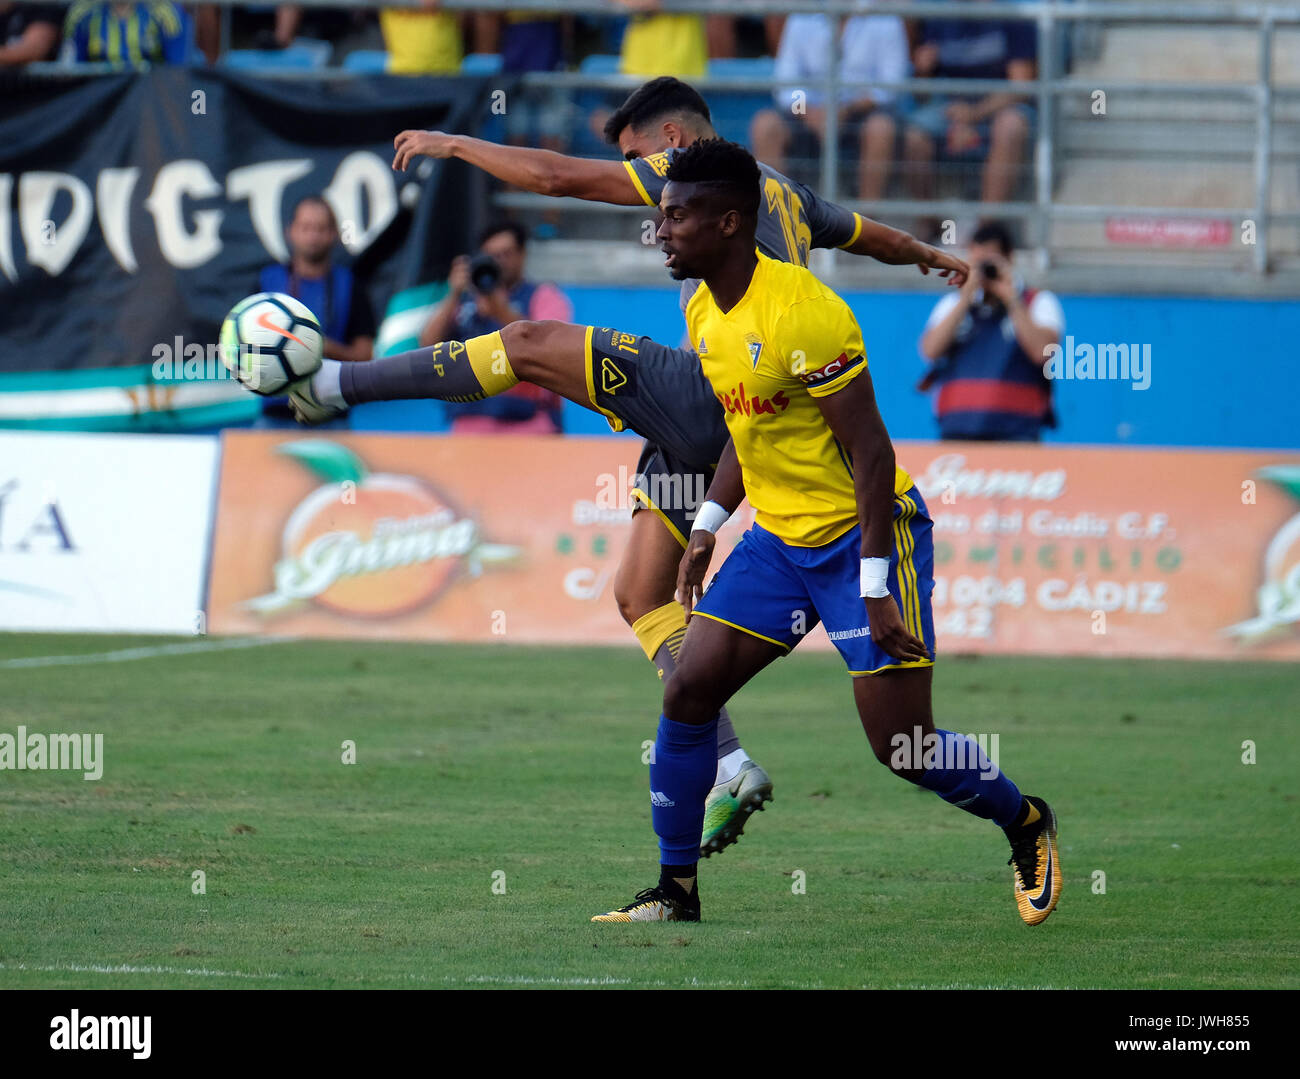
(659, 799)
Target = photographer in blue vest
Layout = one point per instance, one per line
(987, 345)
(331, 291)
(485, 293)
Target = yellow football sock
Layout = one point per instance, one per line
(491, 365)
(664, 625)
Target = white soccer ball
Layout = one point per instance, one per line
(269, 340)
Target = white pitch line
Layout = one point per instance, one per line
(125, 968)
(151, 652)
(523, 979)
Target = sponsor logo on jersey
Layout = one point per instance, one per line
(658, 163)
(738, 401)
(832, 370)
(616, 378)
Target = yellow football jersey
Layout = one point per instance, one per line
(789, 340)
(665, 44)
(421, 42)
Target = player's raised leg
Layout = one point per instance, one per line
(643, 588)
(547, 354)
(715, 661)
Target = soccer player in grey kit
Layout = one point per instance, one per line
(636, 383)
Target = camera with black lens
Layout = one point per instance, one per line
(484, 274)
(989, 271)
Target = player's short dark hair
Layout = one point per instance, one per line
(318, 200)
(513, 227)
(726, 167)
(664, 96)
(995, 232)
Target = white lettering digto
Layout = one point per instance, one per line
(113, 193)
(948, 472)
(181, 246)
(362, 191)
(263, 185)
(77, 1031)
(7, 266)
(363, 180)
(36, 194)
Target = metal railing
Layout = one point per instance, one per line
(1050, 86)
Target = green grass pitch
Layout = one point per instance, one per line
(478, 762)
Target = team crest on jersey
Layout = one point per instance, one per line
(755, 350)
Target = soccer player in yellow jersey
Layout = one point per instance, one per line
(637, 383)
(841, 536)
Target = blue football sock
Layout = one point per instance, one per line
(681, 776)
(962, 774)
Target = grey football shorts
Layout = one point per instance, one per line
(660, 393)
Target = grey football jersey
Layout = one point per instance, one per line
(792, 219)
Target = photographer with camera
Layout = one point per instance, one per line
(987, 345)
(485, 293)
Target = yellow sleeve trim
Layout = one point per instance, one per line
(631, 171)
(857, 231)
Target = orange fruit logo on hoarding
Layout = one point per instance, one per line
(370, 544)
(1279, 596)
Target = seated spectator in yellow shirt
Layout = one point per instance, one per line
(656, 44)
(421, 42)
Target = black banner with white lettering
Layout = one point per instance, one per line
(136, 208)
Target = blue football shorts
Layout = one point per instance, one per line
(777, 592)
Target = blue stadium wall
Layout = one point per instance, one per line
(1223, 372)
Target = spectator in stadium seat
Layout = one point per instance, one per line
(987, 344)
(656, 43)
(265, 26)
(994, 126)
(29, 33)
(129, 34)
(422, 41)
(207, 30)
(331, 291)
(873, 48)
(482, 298)
(538, 116)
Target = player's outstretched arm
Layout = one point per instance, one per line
(543, 172)
(898, 248)
(854, 419)
(726, 492)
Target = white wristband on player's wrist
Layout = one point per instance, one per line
(875, 578)
(710, 517)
